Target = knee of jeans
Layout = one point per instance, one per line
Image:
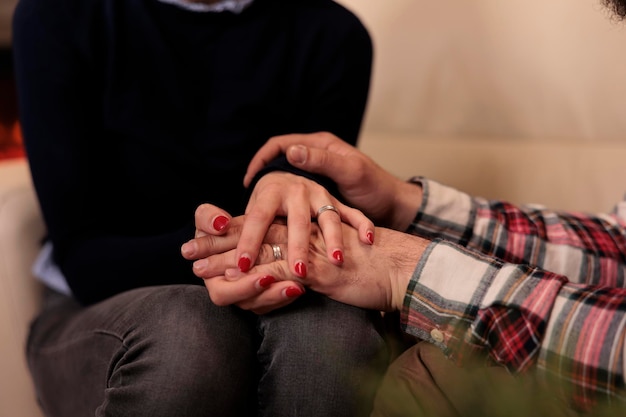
(181, 349)
(182, 323)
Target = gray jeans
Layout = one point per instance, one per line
(168, 351)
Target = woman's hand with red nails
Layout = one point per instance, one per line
(387, 200)
(371, 276)
(297, 199)
(213, 250)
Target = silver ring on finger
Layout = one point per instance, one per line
(278, 253)
(326, 208)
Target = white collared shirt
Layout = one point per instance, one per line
(235, 6)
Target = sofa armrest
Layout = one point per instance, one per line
(21, 232)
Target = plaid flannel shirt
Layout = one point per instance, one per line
(533, 288)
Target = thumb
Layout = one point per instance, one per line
(318, 161)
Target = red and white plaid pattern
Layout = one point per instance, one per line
(534, 288)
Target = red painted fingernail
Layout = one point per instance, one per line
(266, 281)
(370, 237)
(244, 264)
(220, 223)
(301, 269)
(293, 292)
(338, 255)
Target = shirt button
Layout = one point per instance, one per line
(436, 335)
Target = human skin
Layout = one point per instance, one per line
(387, 199)
(281, 194)
(372, 276)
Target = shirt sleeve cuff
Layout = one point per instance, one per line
(445, 292)
(445, 211)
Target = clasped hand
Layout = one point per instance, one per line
(336, 255)
(371, 276)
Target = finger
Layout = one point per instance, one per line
(247, 292)
(208, 244)
(215, 265)
(270, 150)
(298, 231)
(277, 296)
(224, 263)
(359, 221)
(211, 219)
(225, 292)
(259, 291)
(278, 145)
(329, 222)
(320, 161)
(259, 216)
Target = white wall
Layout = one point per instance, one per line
(533, 69)
(519, 100)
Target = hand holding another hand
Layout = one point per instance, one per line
(372, 276)
(298, 200)
(387, 200)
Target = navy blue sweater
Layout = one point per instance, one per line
(134, 112)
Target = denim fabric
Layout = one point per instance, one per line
(320, 358)
(168, 351)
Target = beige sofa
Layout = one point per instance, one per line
(21, 231)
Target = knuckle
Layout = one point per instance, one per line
(324, 135)
(299, 188)
(299, 250)
(205, 243)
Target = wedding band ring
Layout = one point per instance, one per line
(326, 208)
(278, 254)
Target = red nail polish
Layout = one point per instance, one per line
(370, 237)
(293, 292)
(266, 281)
(244, 264)
(301, 269)
(338, 255)
(220, 223)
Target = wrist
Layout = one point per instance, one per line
(407, 201)
(404, 253)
